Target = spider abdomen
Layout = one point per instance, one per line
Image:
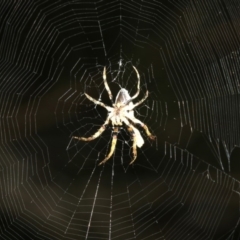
(122, 97)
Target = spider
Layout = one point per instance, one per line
(120, 112)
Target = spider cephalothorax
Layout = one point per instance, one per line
(121, 112)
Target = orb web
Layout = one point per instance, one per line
(183, 185)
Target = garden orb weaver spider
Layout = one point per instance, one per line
(120, 112)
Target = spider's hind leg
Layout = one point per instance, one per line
(113, 146)
(106, 85)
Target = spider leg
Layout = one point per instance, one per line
(96, 134)
(134, 146)
(139, 139)
(113, 146)
(138, 85)
(144, 126)
(106, 85)
(97, 102)
(140, 102)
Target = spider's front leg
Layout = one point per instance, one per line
(136, 137)
(113, 145)
(144, 126)
(134, 146)
(96, 134)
